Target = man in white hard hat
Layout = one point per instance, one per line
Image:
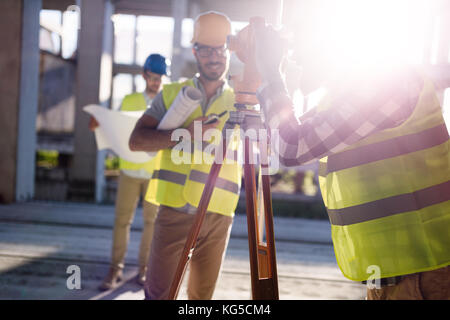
(178, 187)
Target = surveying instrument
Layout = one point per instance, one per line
(263, 267)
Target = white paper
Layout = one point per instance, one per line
(115, 127)
(114, 131)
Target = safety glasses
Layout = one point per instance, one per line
(207, 51)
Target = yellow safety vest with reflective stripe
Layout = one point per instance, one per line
(135, 102)
(388, 196)
(176, 185)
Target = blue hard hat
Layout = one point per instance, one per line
(156, 63)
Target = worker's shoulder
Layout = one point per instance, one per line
(134, 96)
(134, 102)
(228, 90)
(178, 84)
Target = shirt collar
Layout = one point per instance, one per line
(147, 98)
(219, 91)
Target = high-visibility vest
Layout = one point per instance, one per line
(176, 185)
(388, 197)
(135, 102)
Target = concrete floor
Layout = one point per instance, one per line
(39, 241)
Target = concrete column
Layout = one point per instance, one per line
(105, 93)
(179, 12)
(94, 73)
(19, 83)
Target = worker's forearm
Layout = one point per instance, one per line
(280, 118)
(151, 140)
(376, 106)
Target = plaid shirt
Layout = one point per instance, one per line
(359, 109)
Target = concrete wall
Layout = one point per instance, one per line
(10, 20)
(56, 112)
(19, 81)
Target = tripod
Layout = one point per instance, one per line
(263, 268)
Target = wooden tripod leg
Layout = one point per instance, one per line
(270, 236)
(196, 225)
(262, 256)
(250, 200)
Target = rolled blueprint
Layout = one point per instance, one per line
(115, 127)
(184, 104)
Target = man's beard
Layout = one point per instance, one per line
(213, 76)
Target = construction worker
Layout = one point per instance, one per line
(133, 182)
(178, 187)
(384, 168)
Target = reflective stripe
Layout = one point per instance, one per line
(221, 183)
(390, 206)
(169, 176)
(387, 149)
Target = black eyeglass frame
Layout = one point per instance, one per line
(206, 51)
